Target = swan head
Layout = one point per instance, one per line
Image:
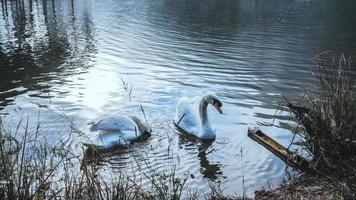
(212, 99)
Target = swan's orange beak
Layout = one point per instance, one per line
(218, 107)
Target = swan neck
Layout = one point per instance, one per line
(203, 111)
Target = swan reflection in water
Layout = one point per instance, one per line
(95, 157)
(208, 169)
(119, 158)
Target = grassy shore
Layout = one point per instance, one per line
(328, 122)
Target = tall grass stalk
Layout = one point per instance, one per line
(329, 119)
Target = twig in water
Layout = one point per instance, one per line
(243, 174)
(180, 119)
(144, 114)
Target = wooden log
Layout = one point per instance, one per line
(291, 158)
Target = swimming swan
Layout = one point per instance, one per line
(120, 130)
(193, 118)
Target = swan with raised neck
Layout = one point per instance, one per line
(195, 121)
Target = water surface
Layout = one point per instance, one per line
(71, 57)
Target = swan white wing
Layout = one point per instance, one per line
(195, 102)
(130, 135)
(106, 140)
(187, 116)
(114, 131)
(118, 123)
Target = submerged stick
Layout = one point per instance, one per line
(180, 119)
(291, 158)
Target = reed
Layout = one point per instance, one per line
(328, 118)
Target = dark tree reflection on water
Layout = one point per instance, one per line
(39, 44)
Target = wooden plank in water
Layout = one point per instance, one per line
(291, 158)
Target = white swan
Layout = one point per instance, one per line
(192, 117)
(120, 130)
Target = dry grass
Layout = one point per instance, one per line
(30, 169)
(328, 119)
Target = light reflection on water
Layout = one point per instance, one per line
(71, 57)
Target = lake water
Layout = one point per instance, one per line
(70, 57)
